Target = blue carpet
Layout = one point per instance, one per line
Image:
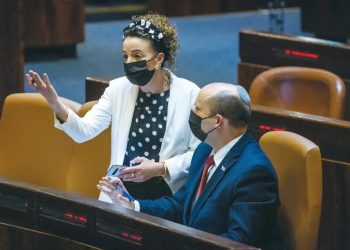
(208, 50)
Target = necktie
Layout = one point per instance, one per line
(208, 163)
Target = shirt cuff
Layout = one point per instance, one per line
(137, 206)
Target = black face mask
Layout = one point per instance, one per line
(138, 73)
(195, 122)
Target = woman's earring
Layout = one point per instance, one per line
(156, 67)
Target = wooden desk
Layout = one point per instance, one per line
(34, 217)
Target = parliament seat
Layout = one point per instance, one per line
(33, 151)
(307, 90)
(297, 161)
(90, 161)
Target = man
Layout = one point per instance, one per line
(237, 197)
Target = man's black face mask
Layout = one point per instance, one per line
(195, 122)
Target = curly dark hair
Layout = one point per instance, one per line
(168, 45)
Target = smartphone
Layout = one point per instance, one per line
(123, 191)
(114, 170)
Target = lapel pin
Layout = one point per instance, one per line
(223, 168)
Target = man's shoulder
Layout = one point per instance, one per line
(203, 148)
(201, 153)
(253, 158)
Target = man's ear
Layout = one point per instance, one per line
(219, 121)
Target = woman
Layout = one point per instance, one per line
(148, 111)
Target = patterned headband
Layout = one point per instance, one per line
(145, 27)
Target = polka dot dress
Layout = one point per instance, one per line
(148, 126)
(146, 136)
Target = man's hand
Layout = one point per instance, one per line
(108, 187)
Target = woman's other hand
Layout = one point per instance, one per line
(142, 172)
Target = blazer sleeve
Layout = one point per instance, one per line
(178, 165)
(254, 205)
(170, 208)
(82, 129)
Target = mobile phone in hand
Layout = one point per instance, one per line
(114, 170)
(124, 192)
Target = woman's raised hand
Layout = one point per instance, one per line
(44, 87)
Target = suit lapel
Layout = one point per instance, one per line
(227, 163)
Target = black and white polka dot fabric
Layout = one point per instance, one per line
(147, 126)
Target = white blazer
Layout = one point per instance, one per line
(116, 107)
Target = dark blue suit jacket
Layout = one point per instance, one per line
(239, 202)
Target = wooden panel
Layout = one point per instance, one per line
(247, 73)
(283, 50)
(94, 87)
(328, 133)
(335, 222)
(327, 18)
(36, 32)
(95, 223)
(12, 237)
(11, 47)
(53, 23)
(66, 21)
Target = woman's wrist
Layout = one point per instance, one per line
(164, 169)
(60, 110)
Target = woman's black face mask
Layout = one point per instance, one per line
(138, 73)
(195, 122)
